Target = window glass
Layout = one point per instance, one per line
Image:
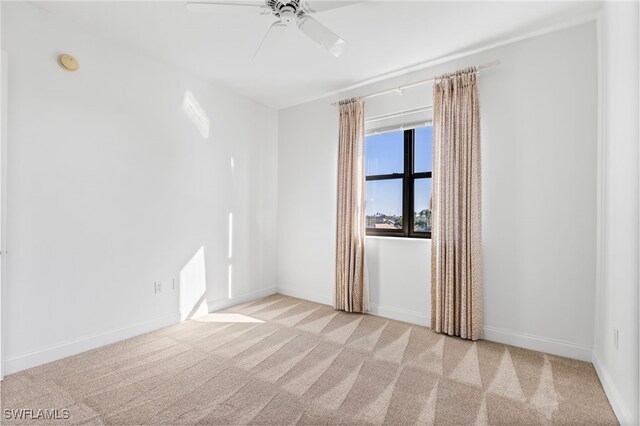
(384, 204)
(388, 208)
(421, 204)
(384, 153)
(422, 149)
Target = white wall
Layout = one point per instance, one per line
(400, 278)
(539, 109)
(111, 188)
(617, 301)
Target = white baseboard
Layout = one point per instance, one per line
(522, 340)
(619, 407)
(538, 343)
(25, 360)
(399, 314)
(508, 337)
(216, 305)
(311, 296)
(51, 353)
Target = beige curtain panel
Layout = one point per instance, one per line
(456, 238)
(351, 293)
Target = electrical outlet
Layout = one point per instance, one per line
(159, 286)
(616, 338)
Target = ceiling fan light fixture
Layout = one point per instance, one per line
(287, 13)
(287, 16)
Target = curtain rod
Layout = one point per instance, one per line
(399, 89)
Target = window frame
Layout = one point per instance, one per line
(408, 197)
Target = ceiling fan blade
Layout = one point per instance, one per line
(279, 27)
(322, 35)
(220, 6)
(313, 6)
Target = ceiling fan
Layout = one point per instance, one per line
(287, 13)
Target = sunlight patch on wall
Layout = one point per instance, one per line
(194, 112)
(193, 287)
(230, 267)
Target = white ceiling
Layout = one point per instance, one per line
(384, 36)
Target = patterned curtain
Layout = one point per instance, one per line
(456, 244)
(351, 293)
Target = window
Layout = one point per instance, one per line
(398, 169)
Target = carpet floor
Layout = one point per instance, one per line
(281, 360)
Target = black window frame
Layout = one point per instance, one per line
(408, 197)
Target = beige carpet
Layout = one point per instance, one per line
(305, 363)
